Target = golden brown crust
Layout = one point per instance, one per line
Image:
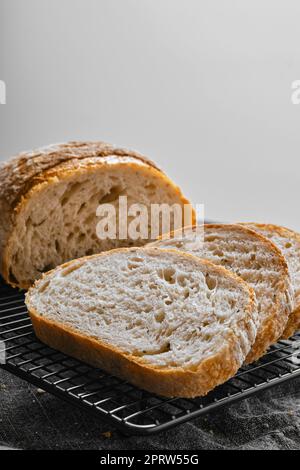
(272, 329)
(27, 173)
(170, 382)
(25, 170)
(293, 323)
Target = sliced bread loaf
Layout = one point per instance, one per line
(258, 261)
(288, 242)
(49, 198)
(166, 321)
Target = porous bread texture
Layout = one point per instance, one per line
(257, 261)
(288, 242)
(166, 321)
(48, 202)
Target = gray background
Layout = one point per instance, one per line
(203, 87)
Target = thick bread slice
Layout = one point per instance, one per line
(288, 242)
(166, 321)
(258, 261)
(48, 202)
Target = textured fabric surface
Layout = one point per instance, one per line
(31, 419)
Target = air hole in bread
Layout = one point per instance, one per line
(166, 348)
(150, 186)
(148, 308)
(210, 282)
(57, 247)
(153, 286)
(81, 237)
(179, 244)
(112, 196)
(168, 274)
(136, 259)
(181, 280)
(81, 208)
(186, 293)
(133, 266)
(207, 337)
(70, 192)
(151, 189)
(288, 245)
(195, 288)
(218, 253)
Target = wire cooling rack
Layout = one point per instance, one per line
(128, 408)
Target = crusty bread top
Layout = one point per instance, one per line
(18, 175)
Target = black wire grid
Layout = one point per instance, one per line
(128, 408)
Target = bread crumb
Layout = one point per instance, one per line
(107, 434)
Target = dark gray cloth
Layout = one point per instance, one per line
(30, 419)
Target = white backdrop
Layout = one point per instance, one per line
(202, 87)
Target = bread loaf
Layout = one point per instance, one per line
(257, 261)
(49, 198)
(166, 321)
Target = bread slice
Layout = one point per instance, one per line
(166, 321)
(48, 202)
(288, 242)
(258, 261)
